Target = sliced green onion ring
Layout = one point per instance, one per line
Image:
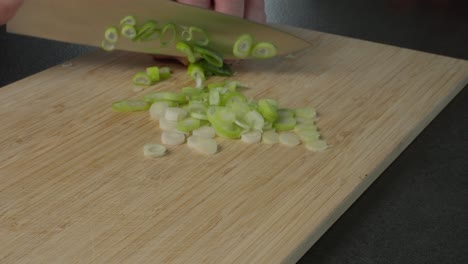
(186, 50)
(146, 31)
(198, 36)
(128, 20)
(111, 34)
(197, 73)
(107, 46)
(269, 109)
(153, 74)
(164, 73)
(128, 31)
(285, 124)
(188, 124)
(243, 46)
(168, 34)
(154, 150)
(141, 78)
(264, 50)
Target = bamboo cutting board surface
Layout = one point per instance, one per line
(75, 187)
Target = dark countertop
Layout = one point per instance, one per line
(417, 210)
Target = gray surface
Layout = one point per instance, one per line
(417, 211)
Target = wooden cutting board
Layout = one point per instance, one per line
(75, 187)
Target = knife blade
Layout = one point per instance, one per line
(84, 22)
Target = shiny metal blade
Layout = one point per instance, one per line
(84, 22)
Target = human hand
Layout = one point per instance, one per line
(250, 9)
(8, 9)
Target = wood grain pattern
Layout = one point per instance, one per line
(75, 188)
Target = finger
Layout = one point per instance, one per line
(8, 9)
(230, 7)
(255, 10)
(199, 3)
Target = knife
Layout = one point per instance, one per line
(84, 22)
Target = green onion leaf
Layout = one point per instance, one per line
(128, 20)
(225, 70)
(211, 56)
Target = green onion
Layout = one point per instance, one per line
(270, 137)
(170, 96)
(254, 120)
(154, 150)
(168, 34)
(284, 113)
(285, 124)
(214, 98)
(251, 137)
(206, 132)
(225, 70)
(317, 146)
(197, 73)
(175, 114)
(107, 46)
(130, 106)
(230, 97)
(289, 139)
(141, 78)
(111, 34)
(128, 20)
(243, 46)
(263, 50)
(147, 31)
(198, 36)
(153, 74)
(184, 33)
(308, 113)
(308, 136)
(186, 50)
(188, 124)
(128, 31)
(203, 145)
(269, 109)
(190, 91)
(211, 56)
(172, 138)
(158, 109)
(164, 73)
